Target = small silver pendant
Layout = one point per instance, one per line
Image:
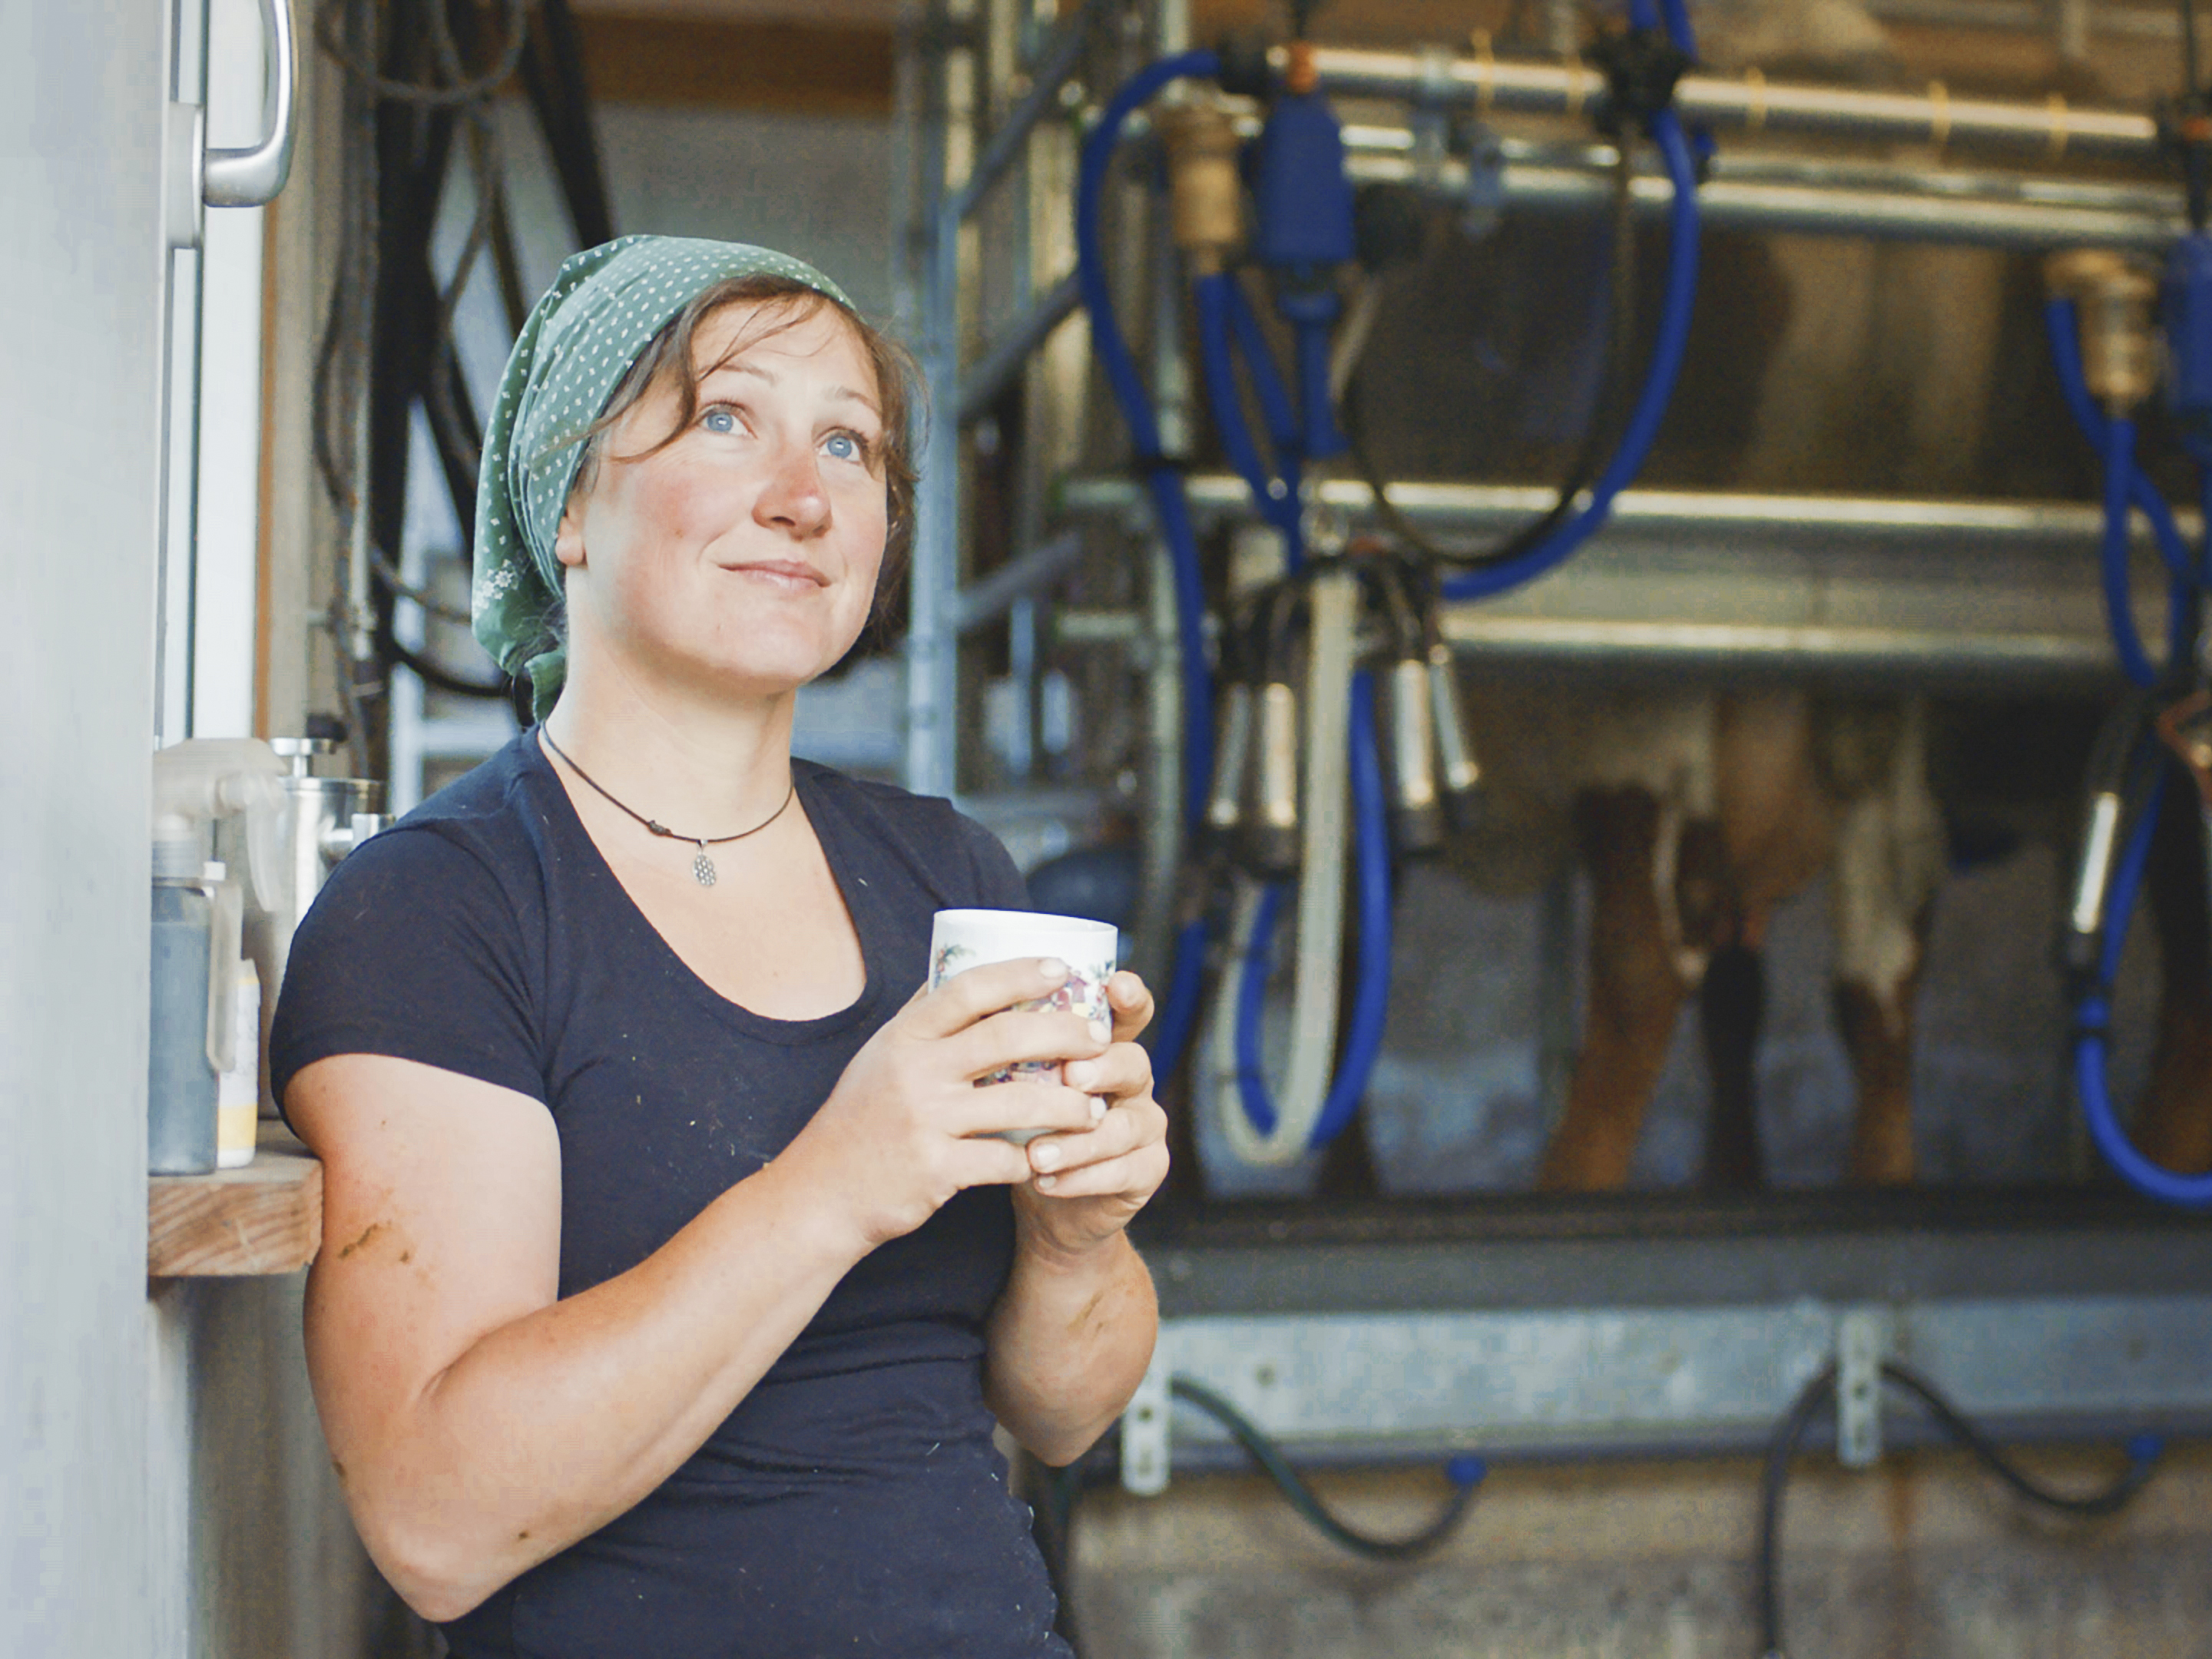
(703, 867)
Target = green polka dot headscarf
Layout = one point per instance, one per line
(595, 320)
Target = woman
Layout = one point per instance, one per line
(671, 1277)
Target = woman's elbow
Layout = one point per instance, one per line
(441, 1578)
(1056, 1444)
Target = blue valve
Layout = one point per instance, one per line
(1301, 199)
(1301, 231)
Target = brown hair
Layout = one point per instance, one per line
(667, 360)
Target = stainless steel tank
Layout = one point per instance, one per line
(324, 819)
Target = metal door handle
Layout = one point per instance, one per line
(199, 178)
(252, 177)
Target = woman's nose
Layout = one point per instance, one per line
(794, 500)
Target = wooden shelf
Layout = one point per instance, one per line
(265, 1218)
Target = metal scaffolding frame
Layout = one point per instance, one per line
(973, 63)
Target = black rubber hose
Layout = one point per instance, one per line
(437, 677)
(1772, 1484)
(1598, 436)
(2142, 1456)
(1467, 1473)
(2143, 1462)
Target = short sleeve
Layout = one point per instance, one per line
(999, 883)
(415, 949)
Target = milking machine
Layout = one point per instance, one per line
(1297, 775)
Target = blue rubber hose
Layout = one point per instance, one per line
(1371, 995)
(1168, 502)
(1251, 1002)
(1178, 1014)
(1678, 26)
(1277, 501)
(1659, 379)
(1169, 506)
(1275, 405)
(2066, 357)
(2091, 1015)
(1312, 329)
(2119, 457)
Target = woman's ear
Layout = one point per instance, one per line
(569, 535)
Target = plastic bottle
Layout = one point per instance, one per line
(238, 1091)
(180, 1081)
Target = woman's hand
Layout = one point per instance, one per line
(1091, 1181)
(906, 1128)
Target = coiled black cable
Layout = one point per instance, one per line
(1466, 1474)
(2143, 1459)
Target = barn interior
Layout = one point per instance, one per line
(1610, 597)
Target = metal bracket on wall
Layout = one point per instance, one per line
(1864, 1337)
(1144, 1431)
(1368, 1387)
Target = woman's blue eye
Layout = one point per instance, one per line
(845, 447)
(719, 420)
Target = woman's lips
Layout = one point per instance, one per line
(783, 572)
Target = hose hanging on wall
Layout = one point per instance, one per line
(2142, 1453)
(1465, 1472)
(412, 90)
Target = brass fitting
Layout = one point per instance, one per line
(2113, 297)
(1206, 193)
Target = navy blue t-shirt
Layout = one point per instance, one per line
(853, 1503)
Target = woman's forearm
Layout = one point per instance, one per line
(548, 1427)
(1069, 1342)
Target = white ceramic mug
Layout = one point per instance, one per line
(961, 940)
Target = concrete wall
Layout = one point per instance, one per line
(80, 100)
(1926, 1555)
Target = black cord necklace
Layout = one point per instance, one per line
(703, 867)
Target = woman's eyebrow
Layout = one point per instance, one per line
(832, 394)
(737, 366)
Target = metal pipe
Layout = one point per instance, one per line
(1898, 521)
(1003, 359)
(2028, 17)
(1823, 209)
(2083, 659)
(1530, 87)
(1015, 580)
(1737, 165)
(1061, 57)
(932, 646)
